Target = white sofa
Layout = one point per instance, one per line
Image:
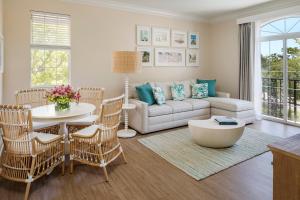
(147, 119)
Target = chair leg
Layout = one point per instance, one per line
(63, 168)
(71, 166)
(105, 173)
(27, 191)
(124, 158)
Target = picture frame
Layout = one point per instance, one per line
(179, 39)
(146, 56)
(143, 35)
(193, 40)
(161, 37)
(1, 53)
(192, 58)
(169, 57)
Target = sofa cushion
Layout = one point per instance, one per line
(234, 105)
(177, 90)
(198, 103)
(157, 110)
(132, 94)
(179, 106)
(145, 93)
(211, 86)
(166, 87)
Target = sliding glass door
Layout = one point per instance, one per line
(293, 64)
(280, 67)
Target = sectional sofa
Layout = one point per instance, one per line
(147, 119)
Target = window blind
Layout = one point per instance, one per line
(48, 29)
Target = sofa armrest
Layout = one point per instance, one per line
(223, 94)
(138, 118)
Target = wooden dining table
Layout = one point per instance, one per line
(47, 113)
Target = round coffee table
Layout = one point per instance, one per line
(209, 133)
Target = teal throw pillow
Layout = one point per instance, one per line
(177, 91)
(199, 91)
(159, 95)
(145, 93)
(211, 86)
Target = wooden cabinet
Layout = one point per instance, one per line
(286, 169)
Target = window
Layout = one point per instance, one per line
(50, 49)
(280, 68)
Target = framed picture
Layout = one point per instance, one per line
(179, 38)
(161, 37)
(192, 57)
(169, 57)
(1, 54)
(146, 56)
(143, 35)
(193, 40)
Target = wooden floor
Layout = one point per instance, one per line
(148, 176)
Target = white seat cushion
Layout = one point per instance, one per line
(89, 120)
(198, 103)
(179, 106)
(234, 105)
(44, 137)
(41, 125)
(88, 131)
(158, 110)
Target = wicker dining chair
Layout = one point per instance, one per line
(88, 95)
(36, 97)
(27, 155)
(98, 145)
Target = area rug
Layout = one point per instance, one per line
(199, 162)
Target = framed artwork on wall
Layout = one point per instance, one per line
(143, 35)
(146, 56)
(169, 57)
(179, 38)
(192, 57)
(193, 40)
(161, 37)
(1, 53)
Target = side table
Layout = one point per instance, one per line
(127, 133)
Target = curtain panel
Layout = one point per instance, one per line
(245, 63)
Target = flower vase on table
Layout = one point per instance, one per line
(62, 96)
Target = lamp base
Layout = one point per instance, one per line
(126, 133)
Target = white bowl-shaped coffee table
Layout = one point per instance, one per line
(209, 133)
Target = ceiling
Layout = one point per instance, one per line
(196, 9)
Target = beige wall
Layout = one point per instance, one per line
(224, 60)
(96, 32)
(1, 31)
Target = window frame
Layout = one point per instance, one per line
(50, 47)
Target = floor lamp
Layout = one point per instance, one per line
(126, 62)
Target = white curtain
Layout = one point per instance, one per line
(256, 66)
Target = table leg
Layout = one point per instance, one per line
(64, 131)
(126, 133)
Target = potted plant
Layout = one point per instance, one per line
(62, 96)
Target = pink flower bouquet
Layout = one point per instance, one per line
(62, 96)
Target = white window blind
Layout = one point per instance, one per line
(50, 29)
(50, 49)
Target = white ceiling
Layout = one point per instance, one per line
(207, 10)
(196, 8)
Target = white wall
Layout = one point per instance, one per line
(96, 33)
(1, 32)
(224, 59)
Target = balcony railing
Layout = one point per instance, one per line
(273, 96)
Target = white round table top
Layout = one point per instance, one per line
(212, 124)
(48, 112)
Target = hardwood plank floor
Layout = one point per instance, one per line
(148, 176)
